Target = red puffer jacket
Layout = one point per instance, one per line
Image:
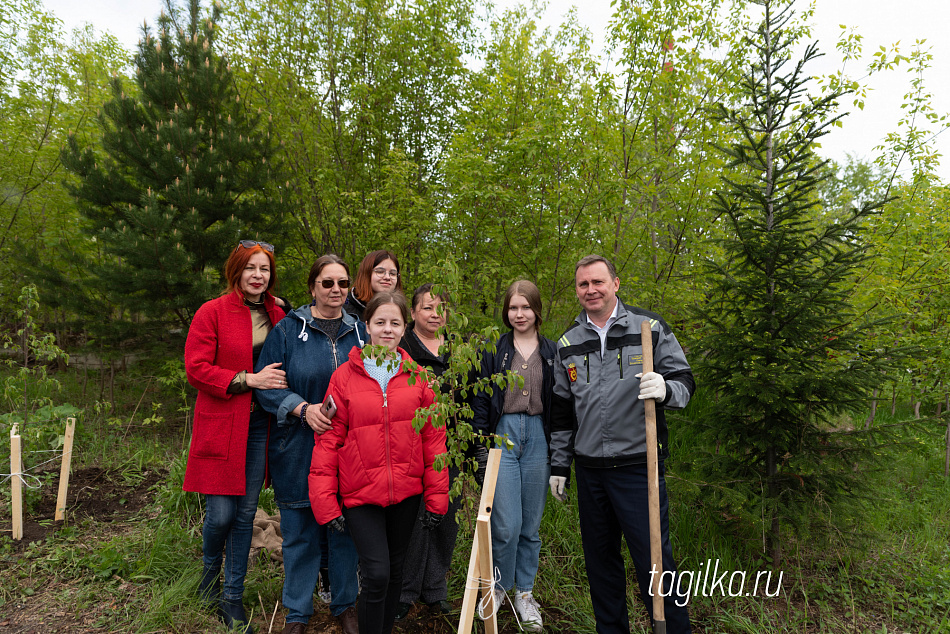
(372, 454)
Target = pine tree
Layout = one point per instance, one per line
(180, 174)
(781, 347)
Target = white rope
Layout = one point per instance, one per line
(26, 472)
(489, 584)
(7, 476)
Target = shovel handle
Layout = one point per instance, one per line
(653, 486)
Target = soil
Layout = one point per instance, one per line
(95, 493)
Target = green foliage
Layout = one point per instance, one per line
(180, 176)
(456, 388)
(783, 350)
(28, 394)
(50, 85)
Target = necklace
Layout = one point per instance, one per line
(524, 357)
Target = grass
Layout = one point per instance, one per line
(892, 574)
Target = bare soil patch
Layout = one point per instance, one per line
(105, 496)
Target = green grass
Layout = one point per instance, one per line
(888, 572)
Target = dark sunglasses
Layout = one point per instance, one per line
(330, 283)
(250, 244)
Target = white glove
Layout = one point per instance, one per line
(557, 487)
(652, 385)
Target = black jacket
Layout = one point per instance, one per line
(420, 354)
(354, 306)
(488, 409)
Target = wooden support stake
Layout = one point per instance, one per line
(16, 469)
(480, 562)
(653, 488)
(64, 469)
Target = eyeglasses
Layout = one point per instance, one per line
(329, 283)
(386, 273)
(250, 244)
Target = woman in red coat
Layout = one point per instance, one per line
(226, 460)
(377, 463)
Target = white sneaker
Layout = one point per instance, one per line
(323, 586)
(483, 612)
(529, 612)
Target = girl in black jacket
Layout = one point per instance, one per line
(523, 416)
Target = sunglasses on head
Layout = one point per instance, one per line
(330, 283)
(250, 244)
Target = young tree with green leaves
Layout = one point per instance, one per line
(782, 348)
(180, 174)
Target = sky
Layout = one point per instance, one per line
(880, 22)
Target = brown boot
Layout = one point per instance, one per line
(294, 628)
(349, 621)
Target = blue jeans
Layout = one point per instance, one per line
(301, 550)
(229, 519)
(520, 495)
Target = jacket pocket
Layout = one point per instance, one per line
(212, 435)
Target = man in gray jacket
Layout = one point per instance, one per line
(598, 423)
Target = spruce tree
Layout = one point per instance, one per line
(781, 347)
(179, 177)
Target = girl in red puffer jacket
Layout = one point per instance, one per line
(377, 464)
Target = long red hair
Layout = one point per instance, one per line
(238, 260)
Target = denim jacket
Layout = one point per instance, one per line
(309, 358)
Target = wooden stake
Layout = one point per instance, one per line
(480, 562)
(64, 469)
(653, 487)
(16, 469)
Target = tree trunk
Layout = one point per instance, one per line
(112, 385)
(894, 402)
(867, 423)
(946, 460)
(775, 534)
(917, 409)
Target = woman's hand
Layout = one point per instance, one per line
(269, 378)
(317, 420)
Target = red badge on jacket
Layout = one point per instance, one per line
(572, 372)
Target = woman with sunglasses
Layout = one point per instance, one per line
(310, 344)
(378, 272)
(226, 459)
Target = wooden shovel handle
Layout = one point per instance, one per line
(653, 485)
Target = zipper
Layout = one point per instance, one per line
(389, 466)
(336, 362)
(620, 362)
(587, 365)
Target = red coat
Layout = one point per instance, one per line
(372, 454)
(218, 347)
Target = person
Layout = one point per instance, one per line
(227, 455)
(523, 416)
(430, 550)
(379, 271)
(310, 344)
(375, 461)
(598, 422)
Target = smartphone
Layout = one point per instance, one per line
(329, 407)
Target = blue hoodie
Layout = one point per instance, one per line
(309, 358)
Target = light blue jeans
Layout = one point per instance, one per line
(520, 494)
(229, 519)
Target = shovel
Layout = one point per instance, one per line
(653, 487)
